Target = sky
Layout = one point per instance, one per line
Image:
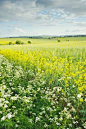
(42, 17)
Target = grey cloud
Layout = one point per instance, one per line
(46, 3)
(19, 10)
(23, 11)
(28, 11)
(77, 7)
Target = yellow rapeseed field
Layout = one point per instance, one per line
(65, 61)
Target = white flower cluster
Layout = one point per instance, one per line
(9, 116)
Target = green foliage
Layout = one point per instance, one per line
(29, 42)
(18, 42)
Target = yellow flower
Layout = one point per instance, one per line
(81, 100)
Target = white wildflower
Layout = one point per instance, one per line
(3, 118)
(84, 125)
(51, 119)
(69, 77)
(0, 112)
(45, 125)
(73, 109)
(70, 125)
(43, 82)
(17, 74)
(41, 113)
(61, 78)
(5, 106)
(65, 109)
(30, 120)
(69, 104)
(58, 123)
(16, 125)
(68, 116)
(38, 89)
(73, 86)
(6, 101)
(37, 119)
(79, 95)
(13, 107)
(9, 115)
(60, 118)
(13, 98)
(4, 86)
(1, 104)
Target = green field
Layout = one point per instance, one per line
(34, 41)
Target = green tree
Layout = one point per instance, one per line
(18, 42)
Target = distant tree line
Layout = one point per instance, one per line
(48, 37)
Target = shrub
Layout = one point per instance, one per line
(59, 40)
(10, 43)
(18, 42)
(29, 42)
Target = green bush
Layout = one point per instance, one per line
(29, 42)
(59, 40)
(18, 42)
(10, 43)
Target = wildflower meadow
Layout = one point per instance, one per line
(43, 86)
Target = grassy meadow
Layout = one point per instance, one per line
(43, 84)
(4, 41)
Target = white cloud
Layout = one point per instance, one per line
(80, 24)
(20, 30)
(79, 31)
(43, 13)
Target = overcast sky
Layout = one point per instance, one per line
(42, 17)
